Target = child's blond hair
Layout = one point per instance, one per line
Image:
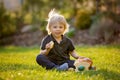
(54, 17)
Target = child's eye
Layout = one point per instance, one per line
(61, 26)
(54, 26)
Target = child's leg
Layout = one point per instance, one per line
(44, 62)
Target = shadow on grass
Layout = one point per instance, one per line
(15, 67)
(1, 78)
(107, 75)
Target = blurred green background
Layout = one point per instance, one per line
(23, 22)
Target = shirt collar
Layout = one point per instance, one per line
(53, 39)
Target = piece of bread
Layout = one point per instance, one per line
(51, 44)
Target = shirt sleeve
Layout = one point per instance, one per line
(43, 43)
(71, 46)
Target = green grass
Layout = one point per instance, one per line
(19, 63)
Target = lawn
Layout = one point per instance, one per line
(19, 63)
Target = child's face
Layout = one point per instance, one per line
(57, 29)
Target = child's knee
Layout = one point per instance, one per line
(39, 57)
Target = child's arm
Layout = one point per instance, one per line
(47, 49)
(44, 52)
(75, 55)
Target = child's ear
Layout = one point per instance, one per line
(49, 30)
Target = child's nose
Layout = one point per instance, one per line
(58, 28)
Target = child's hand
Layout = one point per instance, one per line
(50, 45)
(85, 59)
(88, 60)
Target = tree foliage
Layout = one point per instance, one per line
(7, 23)
(77, 12)
(106, 22)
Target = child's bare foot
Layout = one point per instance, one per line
(71, 69)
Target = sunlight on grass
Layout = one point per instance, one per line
(19, 63)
